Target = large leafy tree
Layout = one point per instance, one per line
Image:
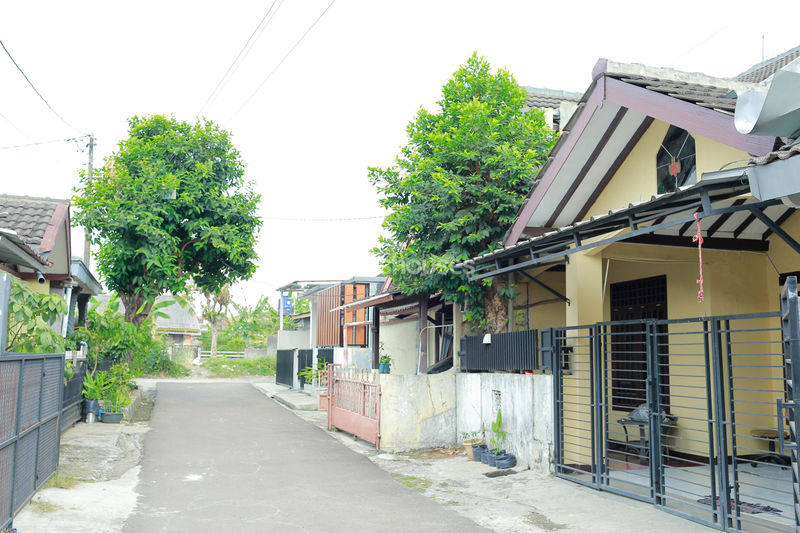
(457, 185)
(170, 207)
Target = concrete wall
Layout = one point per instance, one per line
(526, 401)
(418, 412)
(255, 353)
(288, 340)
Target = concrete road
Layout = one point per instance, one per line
(224, 457)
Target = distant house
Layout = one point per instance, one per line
(181, 326)
(35, 246)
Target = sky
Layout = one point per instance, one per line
(338, 103)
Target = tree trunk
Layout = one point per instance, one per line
(495, 308)
(132, 303)
(213, 339)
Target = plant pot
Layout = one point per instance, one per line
(384, 368)
(477, 452)
(507, 460)
(91, 406)
(469, 445)
(111, 418)
(485, 456)
(492, 460)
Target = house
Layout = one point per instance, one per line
(332, 335)
(649, 259)
(35, 243)
(180, 327)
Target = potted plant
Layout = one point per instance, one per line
(472, 440)
(94, 387)
(114, 402)
(497, 437)
(385, 362)
(117, 396)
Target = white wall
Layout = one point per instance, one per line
(400, 343)
(418, 411)
(289, 340)
(526, 401)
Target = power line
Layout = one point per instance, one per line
(68, 139)
(15, 126)
(281, 61)
(231, 70)
(36, 90)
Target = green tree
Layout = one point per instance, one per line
(215, 313)
(457, 185)
(170, 207)
(30, 315)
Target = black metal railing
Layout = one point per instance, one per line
(72, 396)
(508, 352)
(680, 413)
(305, 358)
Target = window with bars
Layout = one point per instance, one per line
(634, 302)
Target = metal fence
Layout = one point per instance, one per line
(72, 396)
(284, 367)
(30, 404)
(354, 402)
(510, 352)
(305, 358)
(679, 413)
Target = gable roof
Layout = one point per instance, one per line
(549, 98)
(37, 221)
(613, 114)
(761, 71)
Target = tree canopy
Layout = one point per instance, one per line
(457, 185)
(170, 206)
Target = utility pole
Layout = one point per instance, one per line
(89, 169)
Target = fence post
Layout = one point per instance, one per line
(5, 294)
(790, 324)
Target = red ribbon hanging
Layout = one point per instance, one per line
(699, 240)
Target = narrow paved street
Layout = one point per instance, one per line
(224, 457)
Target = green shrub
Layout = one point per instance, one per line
(225, 367)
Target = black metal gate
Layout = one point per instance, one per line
(284, 367)
(72, 397)
(693, 428)
(305, 358)
(30, 405)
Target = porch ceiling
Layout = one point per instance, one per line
(730, 217)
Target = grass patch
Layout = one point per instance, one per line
(416, 483)
(43, 507)
(223, 367)
(59, 481)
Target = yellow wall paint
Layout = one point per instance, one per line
(547, 315)
(35, 286)
(712, 155)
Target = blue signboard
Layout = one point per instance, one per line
(287, 305)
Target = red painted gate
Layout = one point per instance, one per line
(354, 402)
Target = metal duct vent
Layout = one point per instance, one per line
(774, 112)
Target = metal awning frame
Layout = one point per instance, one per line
(556, 247)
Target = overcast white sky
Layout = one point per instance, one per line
(338, 104)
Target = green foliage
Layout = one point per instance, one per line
(29, 317)
(170, 206)
(95, 385)
(384, 357)
(117, 395)
(224, 367)
(497, 433)
(110, 338)
(311, 374)
(459, 181)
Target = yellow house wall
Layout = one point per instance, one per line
(547, 315)
(735, 282)
(38, 288)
